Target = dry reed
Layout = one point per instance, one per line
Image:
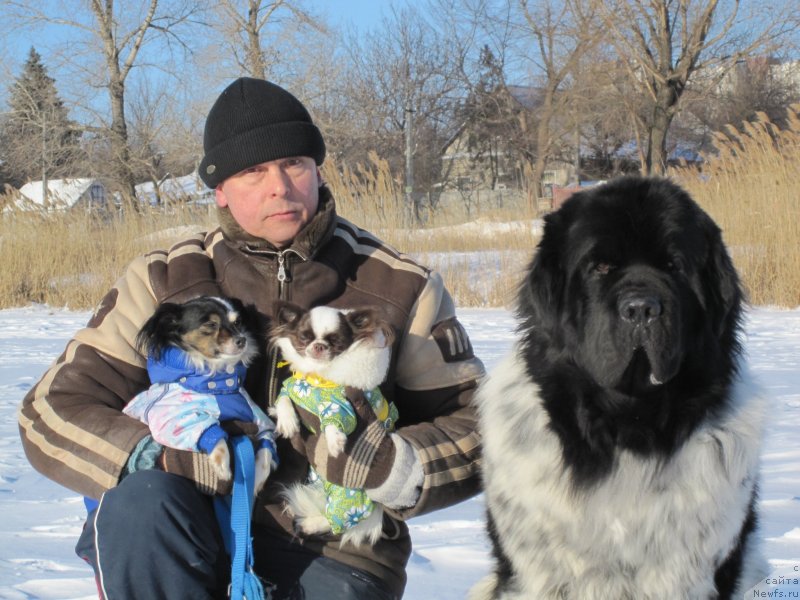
(72, 259)
(750, 187)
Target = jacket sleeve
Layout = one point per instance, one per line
(71, 422)
(437, 373)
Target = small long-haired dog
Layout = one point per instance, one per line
(330, 349)
(197, 356)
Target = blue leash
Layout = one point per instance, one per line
(233, 515)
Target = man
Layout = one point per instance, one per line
(153, 534)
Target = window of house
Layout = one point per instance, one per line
(97, 195)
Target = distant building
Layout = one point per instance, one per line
(175, 190)
(63, 195)
(500, 166)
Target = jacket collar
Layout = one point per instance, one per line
(174, 366)
(316, 233)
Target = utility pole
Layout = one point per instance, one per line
(45, 203)
(578, 155)
(409, 161)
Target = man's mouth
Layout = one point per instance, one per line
(287, 214)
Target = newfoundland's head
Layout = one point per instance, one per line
(629, 316)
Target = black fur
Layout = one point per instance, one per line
(727, 574)
(630, 317)
(630, 278)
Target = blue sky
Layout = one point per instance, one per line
(362, 14)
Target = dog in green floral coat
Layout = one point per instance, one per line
(328, 350)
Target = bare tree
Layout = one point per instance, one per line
(255, 31)
(539, 46)
(757, 86)
(402, 84)
(120, 31)
(664, 43)
(563, 33)
(604, 114)
(163, 142)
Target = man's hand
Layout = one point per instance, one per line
(382, 463)
(197, 467)
(200, 468)
(368, 455)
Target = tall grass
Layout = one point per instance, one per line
(71, 260)
(751, 187)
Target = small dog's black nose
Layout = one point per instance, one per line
(639, 309)
(241, 342)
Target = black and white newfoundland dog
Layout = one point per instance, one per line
(622, 434)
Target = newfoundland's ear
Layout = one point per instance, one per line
(541, 292)
(723, 291)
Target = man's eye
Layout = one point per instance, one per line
(295, 164)
(251, 172)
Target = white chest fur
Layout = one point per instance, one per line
(649, 530)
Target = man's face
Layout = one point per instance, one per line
(273, 200)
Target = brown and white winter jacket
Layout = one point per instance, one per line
(74, 432)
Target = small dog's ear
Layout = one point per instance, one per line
(361, 318)
(157, 330)
(286, 313)
(368, 320)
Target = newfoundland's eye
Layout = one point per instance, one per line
(603, 268)
(676, 264)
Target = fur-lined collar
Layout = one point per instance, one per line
(310, 238)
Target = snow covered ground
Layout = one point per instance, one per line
(39, 520)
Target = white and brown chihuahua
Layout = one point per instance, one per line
(198, 352)
(326, 346)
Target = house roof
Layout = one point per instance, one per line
(61, 193)
(185, 187)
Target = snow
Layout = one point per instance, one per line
(41, 520)
(62, 193)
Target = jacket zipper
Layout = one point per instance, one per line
(283, 279)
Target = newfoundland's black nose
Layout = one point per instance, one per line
(639, 309)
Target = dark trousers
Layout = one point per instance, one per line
(154, 537)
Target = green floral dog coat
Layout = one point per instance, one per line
(344, 507)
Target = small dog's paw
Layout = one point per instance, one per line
(336, 440)
(287, 424)
(220, 459)
(312, 525)
(263, 468)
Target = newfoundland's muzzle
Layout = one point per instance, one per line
(645, 327)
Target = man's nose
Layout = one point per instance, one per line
(276, 181)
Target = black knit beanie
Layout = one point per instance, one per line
(255, 121)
